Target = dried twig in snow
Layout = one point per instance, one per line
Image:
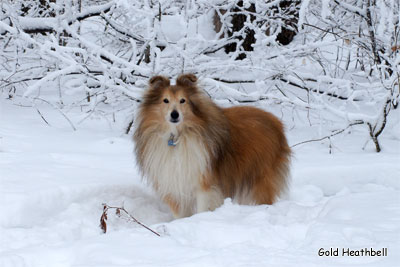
(104, 217)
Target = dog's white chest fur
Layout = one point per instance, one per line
(175, 171)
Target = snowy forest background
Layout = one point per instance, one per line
(337, 60)
(72, 74)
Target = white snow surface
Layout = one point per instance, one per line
(54, 181)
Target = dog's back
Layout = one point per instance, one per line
(255, 167)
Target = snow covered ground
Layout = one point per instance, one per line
(54, 180)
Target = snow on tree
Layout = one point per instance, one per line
(340, 58)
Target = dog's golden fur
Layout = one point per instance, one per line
(237, 152)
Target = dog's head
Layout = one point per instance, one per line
(174, 105)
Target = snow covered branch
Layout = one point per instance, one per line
(49, 24)
(337, 58)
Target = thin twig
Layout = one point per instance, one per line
(59, 110)
(118, 210)
(329, 136)
(41, 115)
(128, 128)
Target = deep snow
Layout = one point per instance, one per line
(54, 180)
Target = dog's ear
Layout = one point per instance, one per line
(159, 82)
(187, 80)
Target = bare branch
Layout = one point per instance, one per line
(118, 210)
(336, 132)
(58, 109)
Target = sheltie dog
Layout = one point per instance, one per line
(195, 154)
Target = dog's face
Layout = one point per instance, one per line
(174, 105)
(171, 105)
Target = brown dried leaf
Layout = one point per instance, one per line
(103, 225)
(103, 219)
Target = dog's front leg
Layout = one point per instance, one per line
(208, 199)
(178, 210)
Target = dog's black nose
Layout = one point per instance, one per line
(174, 116)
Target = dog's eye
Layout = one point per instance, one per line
(182, 101)
(166, 100)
